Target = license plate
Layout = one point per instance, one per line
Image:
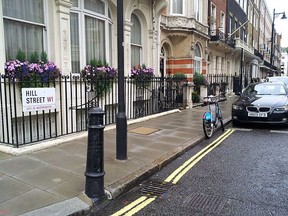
(254, 114)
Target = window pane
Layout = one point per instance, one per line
(75, 3)
(197, 51)
(135, 30)
(177, 6)
(197, 66)
(197, 8)
(136, 44)
(30, 10)
(95, 39)
(95, 5)
(109, 14)
(135, 56)
(75, 52)
(27, 37)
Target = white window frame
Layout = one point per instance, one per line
(44, 29)
(230, 24)
(222, 21)
(137, 45)
(183, 8)
(82, 12)
(213, 15)
(198, 59)
(198, 10)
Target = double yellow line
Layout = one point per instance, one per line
(138, 204)
(178, 173)
(143, 201)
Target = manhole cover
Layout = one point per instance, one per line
(144, 130)
(204, 202)
(156, 188)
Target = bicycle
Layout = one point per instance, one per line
(211, 118)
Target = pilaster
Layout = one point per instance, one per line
(127, 48)
(2, 43)
(62, 29)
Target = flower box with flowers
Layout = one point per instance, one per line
(31, 75)
(101, 78)
(142, 76)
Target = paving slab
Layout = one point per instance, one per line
(50, 180)
(16, 165)
(45, 177)
(11, 188)
(26, 202)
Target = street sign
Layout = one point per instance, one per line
(37, 99)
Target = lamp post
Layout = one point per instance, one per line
(121, 120)
(272, 36)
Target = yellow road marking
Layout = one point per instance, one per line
(177, 178)
(143, 201)
(172, 176)
(130, 206)
(139, 207)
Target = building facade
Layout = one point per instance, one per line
(284, 62)
(214, 37)
(170, 36)
(184, 38)
(74, 32)
(219, 48)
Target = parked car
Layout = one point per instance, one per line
(283, 79)
(262, 102)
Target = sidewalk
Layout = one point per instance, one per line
(52, 181)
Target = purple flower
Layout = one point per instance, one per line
(142, 73)
(25, 70)
(99, 73)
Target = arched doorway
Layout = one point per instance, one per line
(162, 62)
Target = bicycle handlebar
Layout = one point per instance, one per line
(213, 99)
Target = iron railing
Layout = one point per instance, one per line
(223, 81)
(74, 97)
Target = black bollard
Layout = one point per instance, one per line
(94, 187)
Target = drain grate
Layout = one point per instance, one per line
(204, 202)
(156, 188)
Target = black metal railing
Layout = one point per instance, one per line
(75, 95)
(218, 35)
(223, 82)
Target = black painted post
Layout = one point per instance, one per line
(121, 119)
(94, 187)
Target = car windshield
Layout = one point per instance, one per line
(282, 79)
(264, 89)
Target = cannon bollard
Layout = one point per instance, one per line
(94, 187)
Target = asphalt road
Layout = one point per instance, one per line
(246, 174)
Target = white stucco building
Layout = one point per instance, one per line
(74, 32)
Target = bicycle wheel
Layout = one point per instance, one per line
(208, 128)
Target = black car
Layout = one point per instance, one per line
(265, 102)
